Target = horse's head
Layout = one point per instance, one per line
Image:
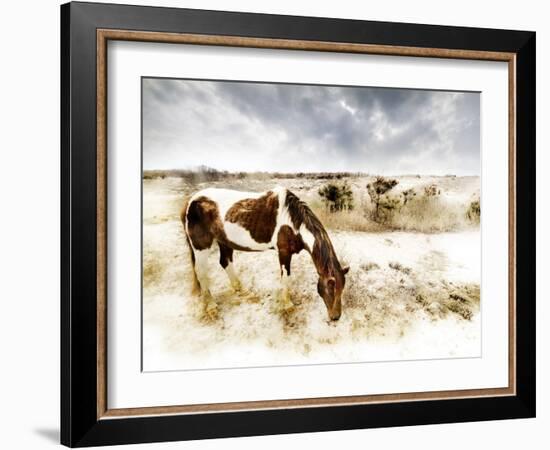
(330, 288)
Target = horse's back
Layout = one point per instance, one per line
(224, 198)
(245, 220)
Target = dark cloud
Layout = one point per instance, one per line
(285, 127)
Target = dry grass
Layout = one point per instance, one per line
(429, 214)
(422, 213)
(354, 220)
(462, 300)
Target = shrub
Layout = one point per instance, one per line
(408, 195)
(431, 190)
(337, 197)
(384, 205)
(474, 211)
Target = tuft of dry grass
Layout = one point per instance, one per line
(153, 268)
(354, 220)
(428, 214)
(369, 266)
(438, 301)
(399, 267)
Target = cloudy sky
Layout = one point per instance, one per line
(241, 126)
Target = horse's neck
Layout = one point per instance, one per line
(321, 250)
(314, 235)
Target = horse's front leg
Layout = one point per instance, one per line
(284, 261)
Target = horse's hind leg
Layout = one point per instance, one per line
(200, 217)
(226, 261)
(201, 269)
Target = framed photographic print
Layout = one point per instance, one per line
(277, 224)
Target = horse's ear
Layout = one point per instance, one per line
(345, 270)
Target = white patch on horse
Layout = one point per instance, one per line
(283, 217)
(233, 279)
(201, 269)
(307, 237)
(241, 236)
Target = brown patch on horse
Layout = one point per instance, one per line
(195, 289)
(257, 215)
(203, 222)
(288, 243)
(226, 255)
(204, 225)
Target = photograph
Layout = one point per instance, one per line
(293, 224)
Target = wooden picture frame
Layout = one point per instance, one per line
(86, 418)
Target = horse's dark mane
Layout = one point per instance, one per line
(322, 252)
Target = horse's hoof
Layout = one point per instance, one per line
(237, 287)
(288, 307)
(211, 310)
(251, 297)
(248, 295)
(285, 303)
(245, 294)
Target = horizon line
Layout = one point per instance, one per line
(350, 172)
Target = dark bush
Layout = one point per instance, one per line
(376, 190)
(474, 211)
(337, 197)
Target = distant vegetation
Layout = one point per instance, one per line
(352, 201)
(415, 209)
(205, 173)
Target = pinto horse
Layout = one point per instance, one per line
(250, 221)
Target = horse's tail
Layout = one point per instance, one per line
(195, 289)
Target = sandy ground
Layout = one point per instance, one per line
(408, 295)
